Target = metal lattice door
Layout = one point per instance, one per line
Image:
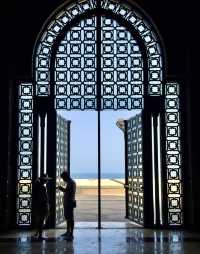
(62, 161)
(135, 197)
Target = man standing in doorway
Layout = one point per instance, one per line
(40, 204)
(69, 203)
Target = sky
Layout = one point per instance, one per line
(84, 144)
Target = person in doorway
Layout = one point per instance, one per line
(40, 204)
(69, 203)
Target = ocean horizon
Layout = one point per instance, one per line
(78, 175)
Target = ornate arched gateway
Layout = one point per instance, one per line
(104, 55)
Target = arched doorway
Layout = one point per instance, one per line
(104, 55)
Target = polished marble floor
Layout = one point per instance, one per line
(110, 239)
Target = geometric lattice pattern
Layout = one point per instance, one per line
(135, 169)
(44, 49)
(25, 147)
(75, 68)
(62, 162)
(148, 37)
(121, 88)
(63, 18)
(122, 68)
(173, 154)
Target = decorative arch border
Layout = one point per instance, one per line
(170, 90)
(43, 49)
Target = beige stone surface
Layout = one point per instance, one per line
(112, 200)
(114, 183)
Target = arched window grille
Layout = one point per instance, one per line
(121, 68)
(148, 36)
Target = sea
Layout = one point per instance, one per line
(78, 175)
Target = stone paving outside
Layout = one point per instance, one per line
(112, 200)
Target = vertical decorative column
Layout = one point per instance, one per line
(25, 154)
(42, 143)
(173, 155)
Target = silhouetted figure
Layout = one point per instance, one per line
(40, 201)
(69, 203)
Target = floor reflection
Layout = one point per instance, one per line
(105, 241)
